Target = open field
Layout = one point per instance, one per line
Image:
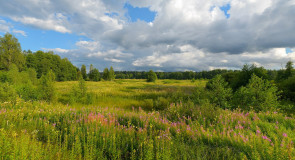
(112, 129)
(127, 93)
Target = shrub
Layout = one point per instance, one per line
(7, 93)
(148, 104)
(79, 93)
(259, 93)
(151, 76)
(161, 103)
(46, 87)
(219, 91)
(27, 92)
(288, 88)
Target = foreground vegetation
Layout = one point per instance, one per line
(105, 130)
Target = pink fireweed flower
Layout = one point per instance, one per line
(258, 132)
(54, 124)
(284, 134)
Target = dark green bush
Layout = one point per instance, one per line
(259, 94)
(151, 76)
(288, 88)
(219, 92)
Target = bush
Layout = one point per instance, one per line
(151, 76)
(148, 104)
(288, 88)
(7, 93)
(27, 92)
(219, 92)
(161, 103)
(79, 94)
(46, 87)
(259, 93)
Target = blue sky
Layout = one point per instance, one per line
(37, 39)
(172, 35)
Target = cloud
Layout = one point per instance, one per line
(47, 24)
(23, 33)
(57, 50)
(4, 26)
(194, 59)
(193, 35)
(92, 52)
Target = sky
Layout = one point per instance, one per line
(163, 35)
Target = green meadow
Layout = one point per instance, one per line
(133, 119)
(130, 92)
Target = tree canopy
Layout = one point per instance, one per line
(10, 52)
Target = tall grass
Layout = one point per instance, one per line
(42, 131)
(112, 129)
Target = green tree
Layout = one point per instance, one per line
(94, 75)
(245, 75)
(259, 93)
(220, 92)
(91, 68)
(151, 76)
(14, 75)
(289, 70)
(106, 74)
(46, 87)
(10, 52)
(288, 88)
(112, 75)
(83, 72)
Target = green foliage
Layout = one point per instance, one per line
(3, 76)
(32, 75)
(106, 75)
(151, 76)
(112, 75)
(42, 62)
(83, 72)
(79, 93)
(245, 75)
(46, 87)
(10, 52)
(259, 94)
(7, 93)
(288, 88)
(220, 93)
(289, 70)
(28, 92)
(13, 75)
(94, 75)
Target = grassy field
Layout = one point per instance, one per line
(128, 121)
(136, 93)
